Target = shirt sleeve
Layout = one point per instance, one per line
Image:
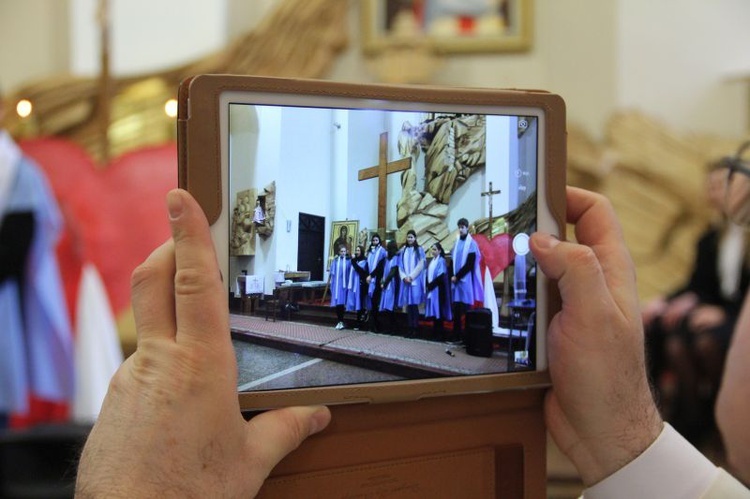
(669, 468)
(726, 486)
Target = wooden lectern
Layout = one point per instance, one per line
(478, 446)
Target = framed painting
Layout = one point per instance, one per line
(450, 26)
(343, 232)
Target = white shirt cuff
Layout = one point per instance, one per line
(669, 468)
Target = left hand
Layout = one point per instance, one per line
(677, 309)
(170, 425)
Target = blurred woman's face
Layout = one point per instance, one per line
(410, 239)
(434, 251)
(716, 188)
(357, 251)
(737, 198)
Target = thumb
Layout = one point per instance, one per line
(274, 434)
(574, 266)
(543, 247)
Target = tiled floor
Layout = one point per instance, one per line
(430, 356)
(264, 368)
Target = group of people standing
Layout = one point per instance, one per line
(378, 282)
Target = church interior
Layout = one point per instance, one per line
(88, 92)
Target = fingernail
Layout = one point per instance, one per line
(320, 420)
(545, 241)
(174, 205)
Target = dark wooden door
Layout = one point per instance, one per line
(310, 245)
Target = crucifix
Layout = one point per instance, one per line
(489, 193)
(381, 171)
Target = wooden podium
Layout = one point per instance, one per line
(468, 446)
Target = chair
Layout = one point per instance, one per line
(271, 306)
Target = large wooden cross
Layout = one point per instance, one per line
(489, 193)
(381, 171)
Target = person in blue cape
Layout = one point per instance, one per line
(467, 280)
(391, 285)
(411, 269)
(357, 286)
(375, 264)
(340, 270)
(438, 300)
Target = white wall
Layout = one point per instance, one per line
(33, 40)
(146, 35)
(265, 166)
(340, 167)
(676, 57)
(243, 145)
(502, 146)
(364, 153)
(573, 54)
(669, 58)
(304, 183)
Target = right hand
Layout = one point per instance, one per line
(600, 411)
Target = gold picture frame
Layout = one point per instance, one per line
(507, 25)
(337, 233)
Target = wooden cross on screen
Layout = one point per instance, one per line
(381, 171)
(489, 193)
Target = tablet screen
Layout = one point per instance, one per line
(375, 241)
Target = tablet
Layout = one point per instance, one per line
(373, 239)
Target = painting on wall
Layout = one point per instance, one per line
(365, 237)
(450, 26)
(343, 232)
(242, 240)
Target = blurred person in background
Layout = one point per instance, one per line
(688, 332)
